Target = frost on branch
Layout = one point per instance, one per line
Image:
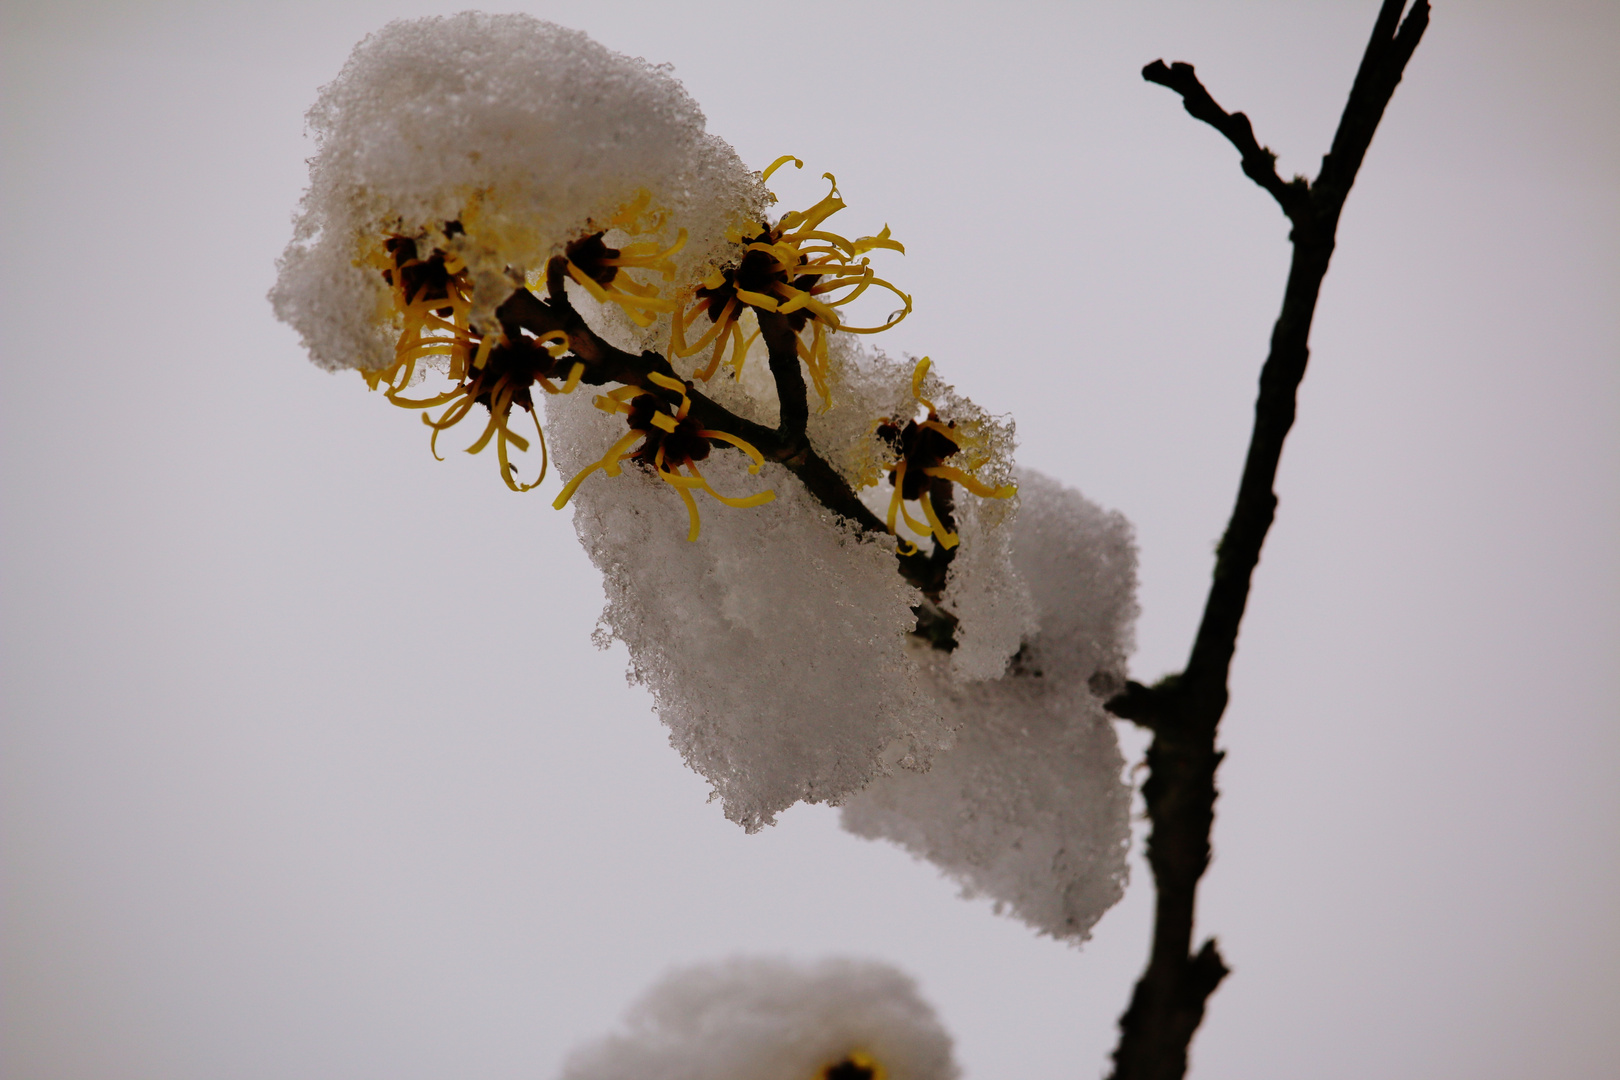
(757, 1019)
(1029, 807)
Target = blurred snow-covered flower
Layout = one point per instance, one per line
(757, 1019)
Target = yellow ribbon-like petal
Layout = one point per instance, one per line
(777, 164)
(984, 491)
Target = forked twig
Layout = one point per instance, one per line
(1184, 710)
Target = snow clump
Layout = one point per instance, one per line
(496, 139)
(983, 589)
(1029, 806)
(759, 1019)
(778, 645)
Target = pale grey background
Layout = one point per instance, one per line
(310, 770)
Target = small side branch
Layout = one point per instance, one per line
(1259, 163)
(1184, 710)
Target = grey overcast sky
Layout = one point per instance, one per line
(308, 767)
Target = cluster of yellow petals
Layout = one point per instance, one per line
(499, 390)
(923, 446)
(795, 248)
(663, 422)
(639, 300)
(428, 331)
(796, 267)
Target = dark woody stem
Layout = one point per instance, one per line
(783, 343)
(1183, 710)
(605, 363)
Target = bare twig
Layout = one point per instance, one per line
(1259, 163)
(1183, 711)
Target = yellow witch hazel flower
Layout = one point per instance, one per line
(433, 298)
(600, 270)
(670, 441)
(795, 269)
(921, 449)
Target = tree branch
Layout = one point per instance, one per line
(1183, 711)
(788, 443)
(605, 363)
